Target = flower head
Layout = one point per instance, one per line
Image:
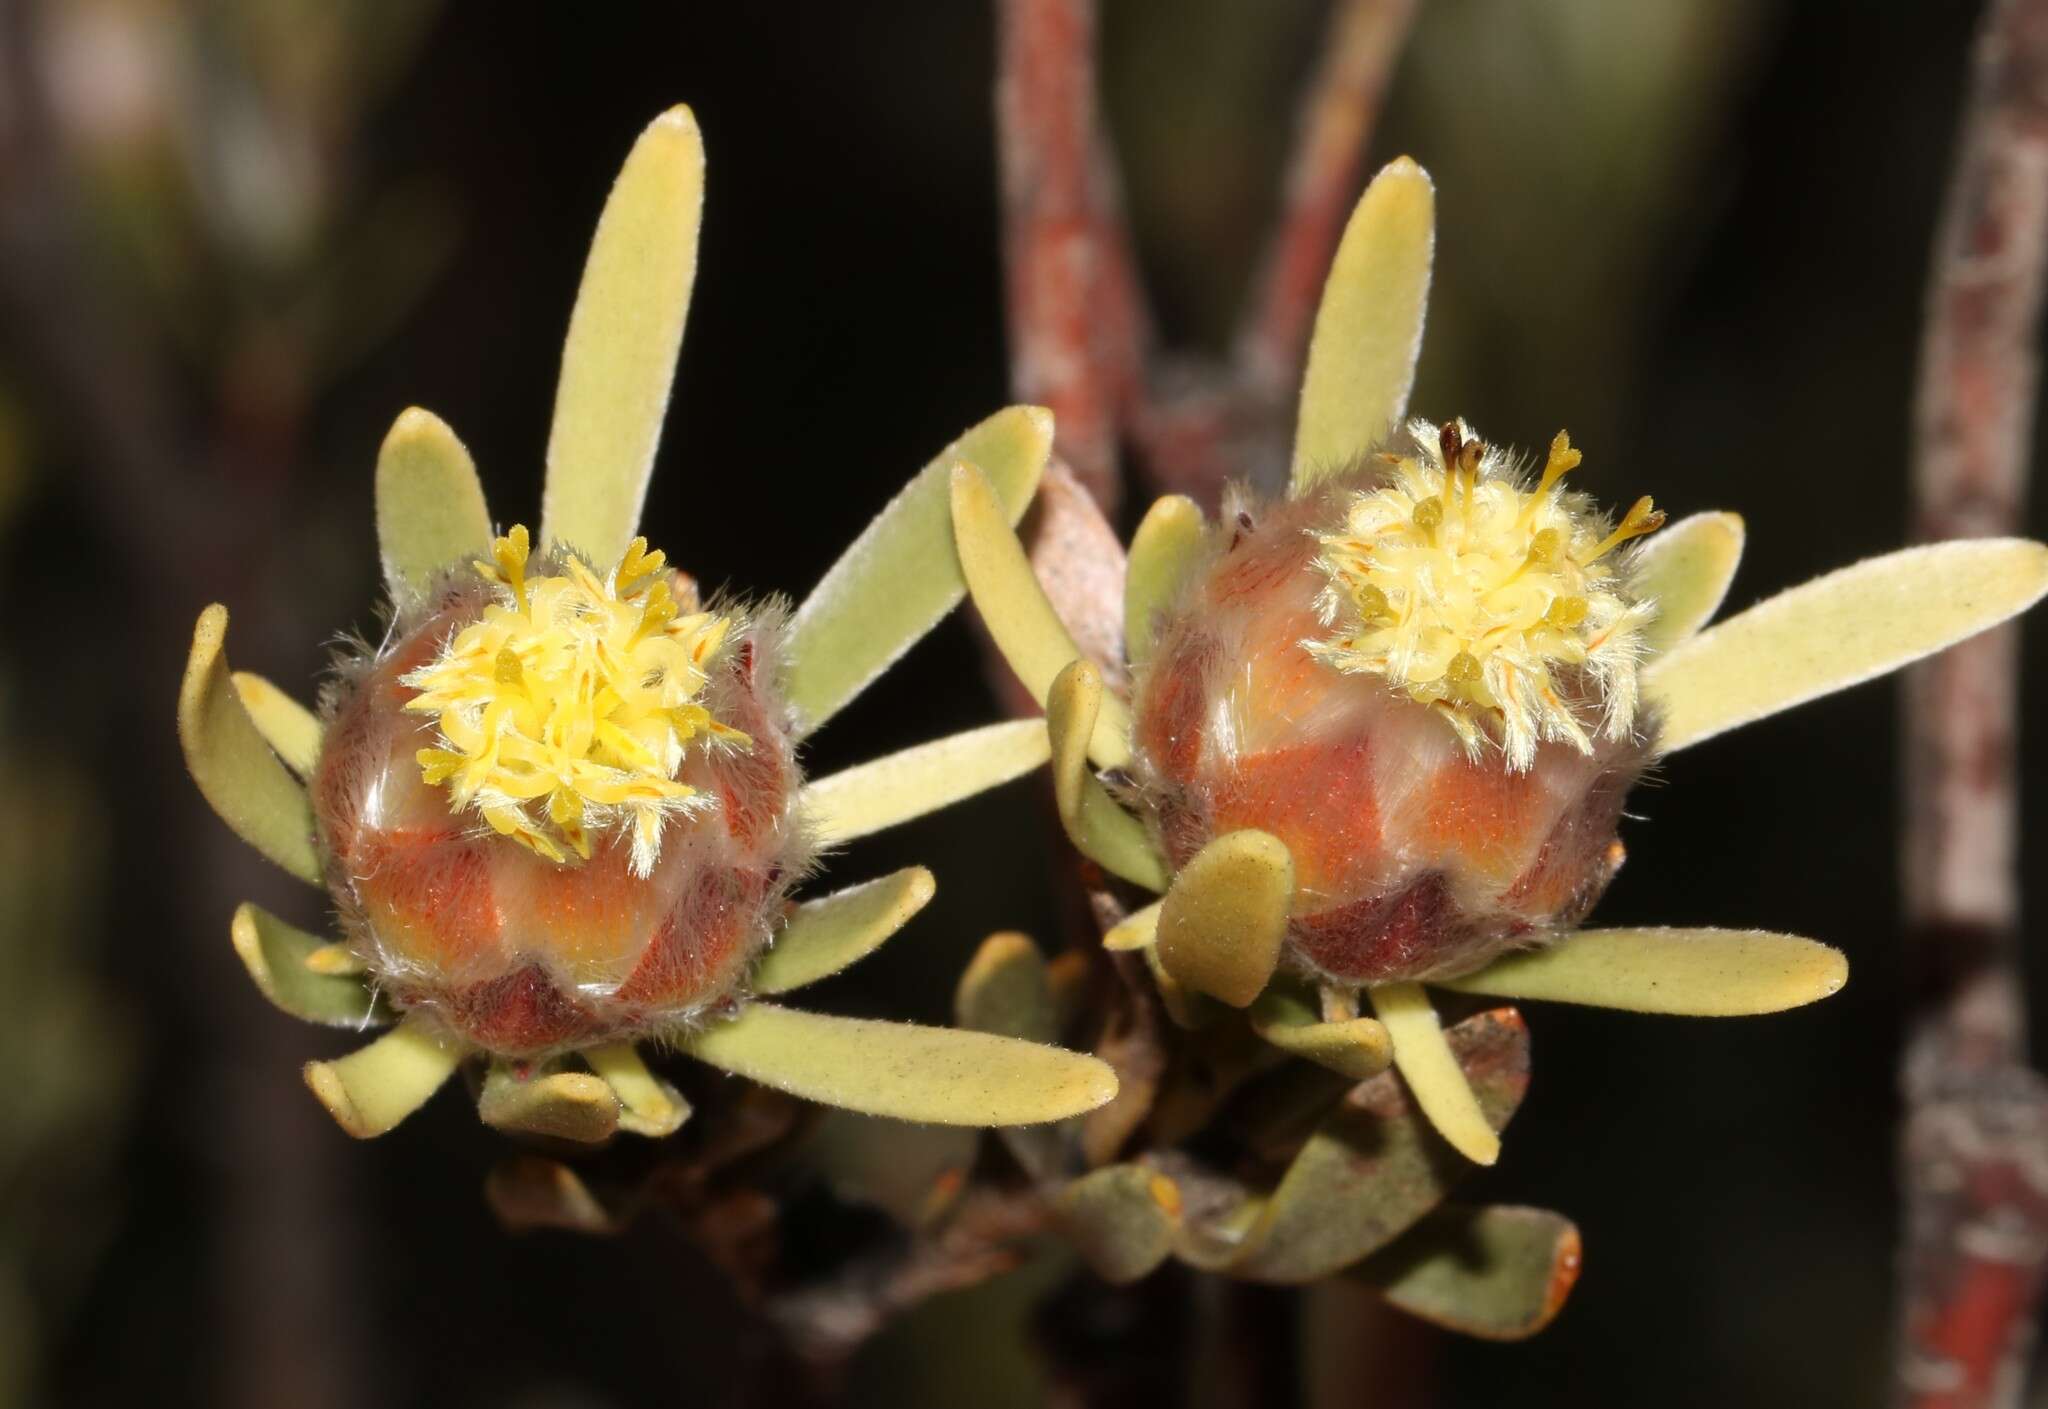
(559, 806)
(1381, 729)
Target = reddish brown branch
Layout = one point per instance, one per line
(1076, 319)
(1975, 1146)
(1336, 122)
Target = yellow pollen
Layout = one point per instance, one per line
(566, 709)
(1507, 615)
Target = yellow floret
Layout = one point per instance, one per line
(565, 710)
(1472, 594)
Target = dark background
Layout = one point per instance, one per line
(1694, 232)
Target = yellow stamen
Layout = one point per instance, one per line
(1472, 613)
(567, 707)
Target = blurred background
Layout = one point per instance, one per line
(237, 237)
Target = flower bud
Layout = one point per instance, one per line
(1420, 675)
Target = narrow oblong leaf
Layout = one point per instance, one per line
(431, 514)
(1692, 973)
(1137, 930)
(647, 1105)
(528, 1192)
(292, 731)
(1368, 330)
(902, 575)
(1099, 828)
(1224, 919)
(1018, 614)
(1499, 1273)
(823, 936)
(624, 335)
(234, 767)
(1004, 990)
(370, 1091)
(1852, 625)
(1432, 1071)
(281, 959)
(933, 1074)
(1122, 1219)
(1374, 1166)
(1686, 569)
(1168, 540)
(901, 786)
(565, 1105)
(1353, 1047)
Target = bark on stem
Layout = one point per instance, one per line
(1975, 1142)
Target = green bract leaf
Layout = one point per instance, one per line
(430, 506)
(1223, 922)
(1498, 1273)
(625, 332)
(1694, 973)
(1166, 543)
(565, 1105)
(281, 959)
(1003, 990)
(1838, 630)
(528, 1192)
(900, 786)
(1137, 930)
(902, 575)
(233, 766)
(292, 731)
(1368, 333)
(1374, 1167)
(1353, 1047)
(1097, 826)
(1018, 614)
(903, 1071)
(647, 1105)
(1686, 570)
(1122, 1219)
(370, 1091)
(823, 936)
(1433, 1073)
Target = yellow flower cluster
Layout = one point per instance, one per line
(565, 710)
(1482, 598)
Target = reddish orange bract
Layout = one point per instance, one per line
(524, 956)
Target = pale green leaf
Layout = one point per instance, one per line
(900, 786)
(282, 960)
(1368, 331)
(1499, 1273)
(902, 575)
(1018, 614)
(1432, 1072)
(234, 767)
(292, 731)
(1685, 570)
(565, 1105)
(1353, 1047)
(624, 335)
(430, 505)
(1137, 930)
(1839, 630)
(931, 1074)
(1168, 540)
(1004, 990)
(1098, 826)
(823, 936)
(1695, 973)
(1224, 920)
(1122, 1219)
(370, 1091)
(647, 1105)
